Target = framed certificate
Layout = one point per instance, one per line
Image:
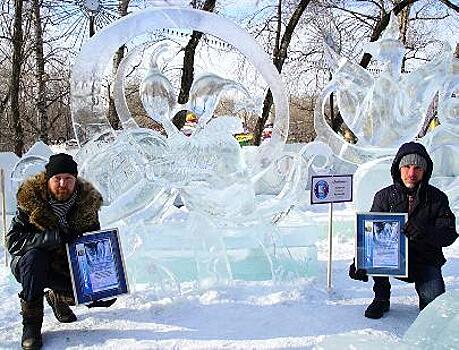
(382, 249)
(97, 266)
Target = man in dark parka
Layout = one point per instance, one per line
(431, 226)
(54, 207)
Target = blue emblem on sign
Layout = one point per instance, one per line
(321, 189)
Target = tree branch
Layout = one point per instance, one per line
(381, 25)
(450, 5)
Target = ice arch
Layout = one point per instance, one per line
(88, 109)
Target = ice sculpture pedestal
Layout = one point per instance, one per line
(171, 253)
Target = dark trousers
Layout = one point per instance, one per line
(427, 279)
(35, 272)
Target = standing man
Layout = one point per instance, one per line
(54, 207)
(431, 226)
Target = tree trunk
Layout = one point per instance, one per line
(15, 78)
(40, 97)
(279, 57)
(92, 26)
(113, 117)
(404, 17)
(381, 25)
(188, 60)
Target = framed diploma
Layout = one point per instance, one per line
(382, 248)
(97, 266)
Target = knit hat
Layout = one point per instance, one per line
(61, 163)
(413, 159)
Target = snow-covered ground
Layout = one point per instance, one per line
(245, 315)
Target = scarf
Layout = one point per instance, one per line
(61, 209)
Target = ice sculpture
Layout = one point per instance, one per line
(7, 162)
(436, 326)
(31, 163)
(386, 111)
(139, 172)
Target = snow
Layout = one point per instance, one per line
(244, 315)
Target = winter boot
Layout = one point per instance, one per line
(59, 302)
(32, 319)
(377, 308)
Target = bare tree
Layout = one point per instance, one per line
(188, 59)
(279, 56)
(40, 71)
(113, 118)
(15, 78)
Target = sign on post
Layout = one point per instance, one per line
(331, 189)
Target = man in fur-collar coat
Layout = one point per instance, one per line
(54, 207)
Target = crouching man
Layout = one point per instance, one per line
(431, 226)
(53, 208)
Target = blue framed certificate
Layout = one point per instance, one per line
(97, 266)
(382, 248)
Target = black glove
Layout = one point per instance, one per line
(67, 234)
(412, 231)
(102, 303)
(357, 274)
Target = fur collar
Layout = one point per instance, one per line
(32, 197)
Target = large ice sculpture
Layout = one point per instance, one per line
(436, 326)
(139, 172)
(386, 111)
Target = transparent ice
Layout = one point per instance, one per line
(232, 229)
(32, 162)
(434, 328)
(140, 172)
(393, 108)
(386, 111)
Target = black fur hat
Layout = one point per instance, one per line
(61, 163)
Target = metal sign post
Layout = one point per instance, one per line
(2, 189)
(330, 247)
(331, 189)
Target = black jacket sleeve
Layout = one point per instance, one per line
(23, 236)
(380, 202)
(442, 231)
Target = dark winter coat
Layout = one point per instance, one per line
(35, 224)
(431, 212)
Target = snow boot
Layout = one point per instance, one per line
(32, 319)
(59, 302)
(377, 308)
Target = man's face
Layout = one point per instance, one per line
(411, 175)
(61, 186)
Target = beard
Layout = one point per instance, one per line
(61, 195)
